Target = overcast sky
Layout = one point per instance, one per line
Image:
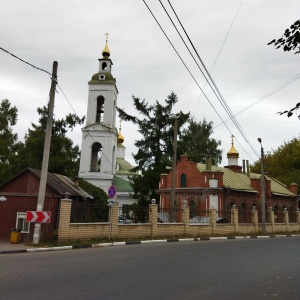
(146, 66)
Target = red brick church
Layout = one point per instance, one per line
(204, 186)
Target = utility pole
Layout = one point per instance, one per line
(263, 200)
(174, 170)
(44, 171)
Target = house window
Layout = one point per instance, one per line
(21, 222)
(183, 180)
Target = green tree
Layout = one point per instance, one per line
(197, 143)
(9, 144)
(290, 40)
(283, 164)
(64, 157)
(155, 148)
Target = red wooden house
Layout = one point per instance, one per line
(21, 195)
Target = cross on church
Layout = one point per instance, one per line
(120, 125)
(106, 34)
(232, 136)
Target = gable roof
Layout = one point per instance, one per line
(59, 183)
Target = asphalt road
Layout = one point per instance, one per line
(219, 269)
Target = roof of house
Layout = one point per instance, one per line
(59, 183)
(240, 181)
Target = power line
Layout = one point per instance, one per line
(25, 61)
(222, 101)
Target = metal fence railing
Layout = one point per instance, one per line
(133, 214)
(88, 213)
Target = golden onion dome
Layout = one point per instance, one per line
(120, 138)
(106, 52)
(232, 151)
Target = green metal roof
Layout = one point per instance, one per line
(124, 166)
(240, 181)
(108, 78)
(122, 185)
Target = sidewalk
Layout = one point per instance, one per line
(9, 248)
(6, 247)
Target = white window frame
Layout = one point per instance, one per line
(25, 225)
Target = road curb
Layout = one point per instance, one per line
(30, 250)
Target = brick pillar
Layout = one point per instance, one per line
(286, 219)
(114, 213)
(254, 219)
(272, 219)
(64, 220)
(213, 216)
(298, 216)
(186, 219)
(235, 218)
(153, 219)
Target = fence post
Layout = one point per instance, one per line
(153, 219)
(64, 219)
(272, 219)
(213, 219)
(254, 218)
(235, 218)
(114, 219)
(186, 219)
(298, 218)
(286, 219)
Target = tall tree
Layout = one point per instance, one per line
(64, 157)
(197, 143)
(8, 140)
(155, 148)
(283, 164)
(290, 40)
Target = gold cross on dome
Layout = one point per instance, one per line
(120, 125)
(232, 136)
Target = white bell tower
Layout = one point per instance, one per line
(99, 136)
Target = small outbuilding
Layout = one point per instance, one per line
(20, 194)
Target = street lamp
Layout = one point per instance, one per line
(262, 176)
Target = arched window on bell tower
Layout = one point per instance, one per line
(104, 66)
(100, 109)
(96, 157)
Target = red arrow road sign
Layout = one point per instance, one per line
(38, 216)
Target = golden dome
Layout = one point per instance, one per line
(232, 151)
(120, 138)
(106, 52)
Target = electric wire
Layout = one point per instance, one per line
(60, 90)
(184, 64)
(223, 102)
(192, 75)
(225, 39)
(289, 81)
(25, 61)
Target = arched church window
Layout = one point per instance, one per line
(100, 109)
(104, 66)
(183, 180)
(96, 157)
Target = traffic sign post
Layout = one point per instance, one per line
(112, 192)
(38, 216)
